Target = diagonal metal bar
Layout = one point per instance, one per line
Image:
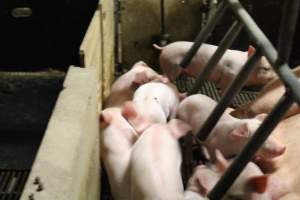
(226, 42)
(261, 134)
(203, 35)
(234, 87)
(287, 28)
(283, 71)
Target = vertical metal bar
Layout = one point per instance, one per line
(287, 28)
(234, 87)
(261, 134)
(226, 42)
(203, 35)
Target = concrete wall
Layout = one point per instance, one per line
(67, 163)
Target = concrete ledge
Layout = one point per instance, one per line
(67, 164)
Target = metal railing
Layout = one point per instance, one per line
(278, 60)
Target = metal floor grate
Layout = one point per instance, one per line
(210, 89)
(12, 183)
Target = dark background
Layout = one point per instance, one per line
(267, 15)
(49, 38)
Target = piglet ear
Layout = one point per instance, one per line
(141, 78)
(164, 79)
(203, 184)
(139, 123)
(258, 183)
(240, 132)
(105, 119)
(182, 96)
(129, 110)
(221, 162)
(261, 117)
(251, 51)
(179, 128)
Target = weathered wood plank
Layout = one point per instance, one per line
(108, 45)
(91, 50)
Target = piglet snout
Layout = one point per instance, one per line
(272, 148)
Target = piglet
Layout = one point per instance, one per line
(227, 68)
(116, 139)
(155, 163)
(267, 99)
(155, 101)
(123, 88)
(230, 134)
(251, 184)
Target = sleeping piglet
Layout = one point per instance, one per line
(230, 134)
(251, 184)
(123, 88)
(156, 162)
(227, 68)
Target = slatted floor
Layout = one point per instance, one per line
(210, 89)
(12, 183)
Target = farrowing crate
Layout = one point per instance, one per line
(67, 165)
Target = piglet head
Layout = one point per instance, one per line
(263, 71)
(251, 180)
(271, 147)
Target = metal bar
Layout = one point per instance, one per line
(203, 35)
(261, 134)
(283, 70)
(230, 92)
(226, 42)
(287, 28)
